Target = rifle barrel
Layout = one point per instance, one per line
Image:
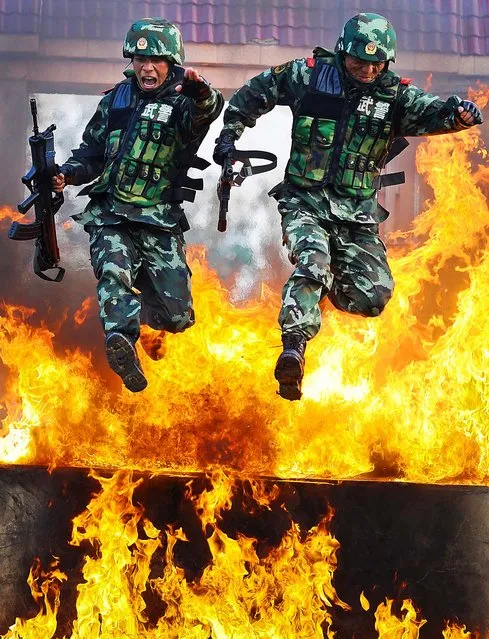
(34, 116)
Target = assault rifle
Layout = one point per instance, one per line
(38, 181)
(230, 178)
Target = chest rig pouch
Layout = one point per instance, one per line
(145, 161)
(315, 127)
(339, 141)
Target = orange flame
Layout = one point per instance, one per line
(45, 588)
(288, 594)
(400, 396)
(290, 590)
(81, 314)
(390, 626)
(7, 213)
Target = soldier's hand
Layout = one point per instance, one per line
(194, 86)
(224, 147)
(58, 183)
(469, 113)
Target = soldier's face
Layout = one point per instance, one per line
(362, 70)
(150, 71)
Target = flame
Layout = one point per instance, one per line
(45, 587)
(80, 316)
(389, 626)
(287, 594)
(7, 213)
(364, 602)
(455, 631)
(403, 396)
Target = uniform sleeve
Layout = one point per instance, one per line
(88, 161)
(421, 113)
(283, 85)
(203, 112)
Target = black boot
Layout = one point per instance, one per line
(290, 366)
(123, 360)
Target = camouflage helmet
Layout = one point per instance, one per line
(154, 37)
(369, 37)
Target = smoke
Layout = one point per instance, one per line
(249, 253)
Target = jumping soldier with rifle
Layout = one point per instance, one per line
(348, 109)
(139, 144)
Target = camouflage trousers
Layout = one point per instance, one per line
(142, 276)
(344, 261)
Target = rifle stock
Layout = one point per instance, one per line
(38, 181)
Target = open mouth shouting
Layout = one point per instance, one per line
(148, 82)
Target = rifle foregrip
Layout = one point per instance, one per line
(26, 204)
(222, 225)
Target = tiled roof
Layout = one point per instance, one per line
(20, 16)
(446, 26)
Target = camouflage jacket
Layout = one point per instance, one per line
(413, 113)
(141, 153)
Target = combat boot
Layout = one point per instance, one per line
(290, 366)
(123, 360)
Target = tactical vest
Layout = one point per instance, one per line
(338, 141)
(145, 161)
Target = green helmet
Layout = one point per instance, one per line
(370, 37)
(154, 37)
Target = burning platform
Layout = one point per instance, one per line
(153, 556)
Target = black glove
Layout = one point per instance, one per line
(196, 90)
(472, 108)
(224, 146)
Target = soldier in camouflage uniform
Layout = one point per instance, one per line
(140, 143)
(348, 108)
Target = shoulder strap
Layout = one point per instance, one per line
(247, 169)
(325, 78)
(119, 105)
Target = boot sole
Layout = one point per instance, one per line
(122, 360)
(289, 373)
(292, 392)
